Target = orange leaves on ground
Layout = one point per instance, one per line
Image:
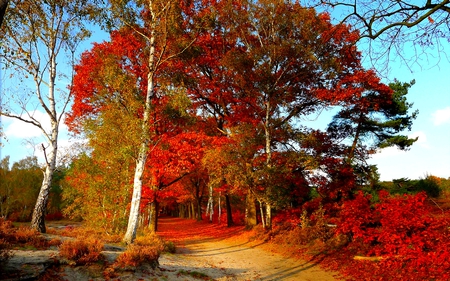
(182, 230)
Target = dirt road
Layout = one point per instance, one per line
(204, 252)
(218, 254)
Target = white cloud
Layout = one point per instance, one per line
(15, 128)
(441, 116)
(422, 141)
(394, 151)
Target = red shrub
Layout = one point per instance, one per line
(412, 242)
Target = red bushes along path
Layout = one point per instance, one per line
(403, 237)
(397, 238)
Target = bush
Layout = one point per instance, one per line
(5, 252)
(169, 247)
(137, 255)
(429, 185)
(82, 252)
(145, 250)
(411, 242)
(22, 235)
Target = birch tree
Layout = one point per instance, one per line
(38, 38)
(157, 22)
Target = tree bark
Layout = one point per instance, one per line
(130, 234)
(268, 216)
(229, 214)
(210, 206)
(250, 211)
(153, 222)
(40, 209)
(261, 209)
(198, 200)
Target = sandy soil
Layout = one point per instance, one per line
(204, 252)
(228, 258)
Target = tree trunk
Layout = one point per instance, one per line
(229, 214)
(220, 208)
(133, 219)
(261, 209)
(268, 216)
(250, 211)
(210, 206)
(199, 210)
(40, 209)
(189, 210)
(153, 223)
(181, 212)
(130, 235)
(198, 200)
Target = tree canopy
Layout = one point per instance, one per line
(231, 89)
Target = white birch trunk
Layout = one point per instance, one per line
(268, 139)
(130, 234)
(210, 206)
(40, 209)
(261, 209)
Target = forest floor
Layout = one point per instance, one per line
(223, 253)
(205, 251)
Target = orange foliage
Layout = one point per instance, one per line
(136, 255)
(22, 235)
(145, 249)
(82, 251)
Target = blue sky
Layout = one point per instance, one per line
(430, 155)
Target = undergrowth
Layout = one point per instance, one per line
(22, 237)
(82, 251)
(145, 249)
(397, 237)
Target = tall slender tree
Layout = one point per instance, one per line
(35, 35)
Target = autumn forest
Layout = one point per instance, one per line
(205, 110)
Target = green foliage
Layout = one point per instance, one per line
(19, 187)
(429, 184)
(96, 192)
(170, 247)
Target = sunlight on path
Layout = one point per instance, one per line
(217, 252)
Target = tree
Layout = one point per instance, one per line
(163, 26)
(34, 36)
(19, 187)
(287, 71)
(389, 25)
(96, 188)
(142, 81)
(380, 114)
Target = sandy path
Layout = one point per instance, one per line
(228, 258)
